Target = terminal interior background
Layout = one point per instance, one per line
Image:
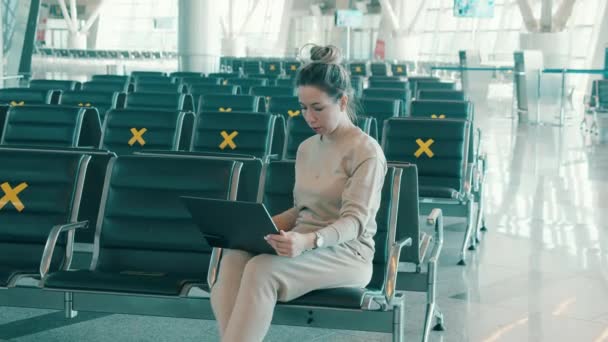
(539, 273)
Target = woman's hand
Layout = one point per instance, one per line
(290, 244)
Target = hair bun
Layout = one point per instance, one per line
(325, 54)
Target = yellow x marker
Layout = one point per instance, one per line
(272, 67)
(293, 67)
(424, 148)
(10, 195)
(137, 136)
(222, 109)
(358, 69)
(84, 105)
(225, 82)
(228, 140)
(399, 69)
(293, 113)
(15, 103)
(441, 116)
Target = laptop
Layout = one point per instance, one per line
(232, 224)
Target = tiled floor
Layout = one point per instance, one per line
(540, 274)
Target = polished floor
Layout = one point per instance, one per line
(540, 274)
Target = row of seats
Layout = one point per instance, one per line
(596, 109)
(149, 247)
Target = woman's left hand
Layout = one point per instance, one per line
(290, 244)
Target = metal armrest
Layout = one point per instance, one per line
(468, 180)
(436, 219)
(390, 281)
(214, 265)
(270, 157)
(51, 242)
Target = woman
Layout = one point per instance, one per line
(326, 239)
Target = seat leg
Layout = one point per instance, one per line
(68, 303)
(468, 233)
(439, 326)
(398, 321)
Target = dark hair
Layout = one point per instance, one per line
(325, 72)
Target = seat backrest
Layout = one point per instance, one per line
(136, 74)
(161, 88)
(358, 69)
(139, 80)
(277, 196)
(166, 101)
(438, 147)
(296, 132)
(368, 125)
(379, 69)
(144, 226)
(285, 82)
(291, 67)
(408, 212)
(221, 102)
(3, 111)
(55, 84)
(356, 83)
(106, 86)
(43, 189)
(252, 67)
(103, 101)
(433, 94)
(198, 90)
(272, 91)
(272, 67)
(602, 92)
(286, 106)
(27, 96)
(127, 131)
(399, 69)
(115, 78)
(442, 109)
(196, 81)
(380, 109)
(234, 133)
(404, 86)
(390, 94)
(247, 83)
(58, 126)
(426, 85)
(184, 74)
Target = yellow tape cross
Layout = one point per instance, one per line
(15, 103)
(273, 67)
(222, 109)
(399, 69)
(293, 113)
(10, 195)
(225, 82)
(425, 147)
(228, 139)
(84, 105)
(137, 136)
(441, 116)
(293, 67)
(358, 69)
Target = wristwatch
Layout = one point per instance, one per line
(318, 240)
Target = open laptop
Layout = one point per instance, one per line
(232, 224)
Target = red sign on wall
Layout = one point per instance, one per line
(379, 50)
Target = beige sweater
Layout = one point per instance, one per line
(339, 179)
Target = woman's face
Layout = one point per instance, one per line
(322, 113)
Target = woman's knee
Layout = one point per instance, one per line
(259, 270)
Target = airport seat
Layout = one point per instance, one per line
(151, 80)
(165, 101)
(291, 67)
(432, 94)
(379, 69)
(27, 96)
(399, 69)
(274, 68)
(357, 83)
(414, 80)
(127, 131)
(296, 132)
(439, 149)
(266, 91)
(55, 84)
(595, 119)
(45, 189)
(285, 82)
(137, 73)
(145, 246)
(368, 125)
(401, 85)
(246, 83)
(252, 67)
(234, 133)
(103, 101)
(379, 299)
(112, 78)
(387, 78)
(380, 109)
(199, 81)
(228, 103)
(389, 94)
(445, 109)
(201, 89)
(51, 126)
(358, 69)
(433, 85)
(184, 74)
(286, 106)
(3, 111)
(161, 88)
(108, 86)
